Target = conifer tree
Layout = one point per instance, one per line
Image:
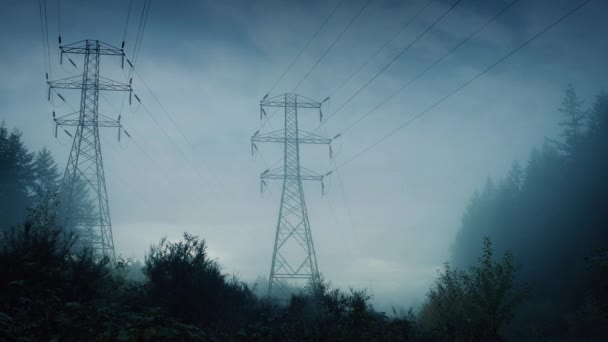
(574, 119)
(16, 177)
(46, 173)
(598, 116)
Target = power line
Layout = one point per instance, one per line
(134, 141)
(48, 46)
(162, 130)
(348, 210)
(179, 149)
(439, 60)
(180, 131)
(462, 86)
(136, 47)
(142, 27)
(333, 43)
(45, 37)
(361, 10)
(46, 53)
(124, 36)
(127, 184)
(293, 61)
(344, 200)
(59, 20)
(168, 114)
(395, 35)
(390, 63)
(46, 65)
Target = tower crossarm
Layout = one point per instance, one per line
(311, 138)
(100, 123)
(75, 82)
(73, 119)
(81, 48)
(279, 137)
(305, 174)
(279, 101)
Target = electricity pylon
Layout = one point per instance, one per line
(294, 252)
(85, 164)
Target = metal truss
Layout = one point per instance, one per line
(294, 255)
(85, 163)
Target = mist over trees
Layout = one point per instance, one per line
(17, 182)
(32, 179)
(530, 262)
(551, 214)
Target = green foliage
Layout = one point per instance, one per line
(29, 179)
(187, 284)
(574, 120)
(16, 178)
(41, 275)
(46, 174)
(325, 313)
(50, 291)
(552, 214)
(599, 296)
(473, 305)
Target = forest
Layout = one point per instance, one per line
(530, 262)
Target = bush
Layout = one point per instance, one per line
(48, 290)
(181, 279)
(325, 313)
(473, 305)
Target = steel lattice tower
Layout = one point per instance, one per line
(85, 163)
(294, 252)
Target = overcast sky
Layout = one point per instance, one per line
(390, 215)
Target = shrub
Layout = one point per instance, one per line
(182, 280)
(48, 290)
(473, 305)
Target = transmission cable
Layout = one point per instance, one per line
(59, 20)
(46, 64)
(124, 36)
(395, 35)
(435, 63)
(175, 124)
(136, 47)
(390, 63)
(293, 61)
(333, 43)
(46, 50)
(142, 27)
(462, 86)
(45, 36)
(48, 46)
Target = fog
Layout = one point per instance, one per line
(389, 218)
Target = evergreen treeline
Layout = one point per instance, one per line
(553, 215)
(25, 177)
(29, 179)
